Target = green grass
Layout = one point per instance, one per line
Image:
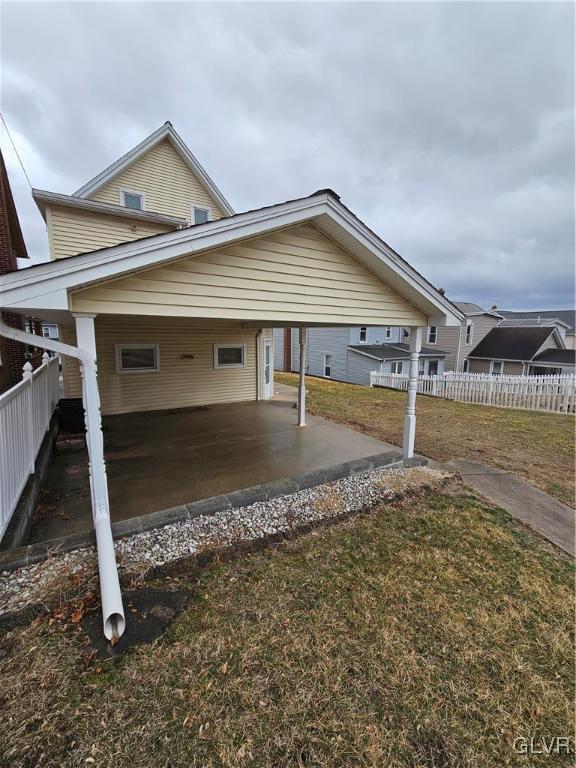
(537, 446)
(425, 634)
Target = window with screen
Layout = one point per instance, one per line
(137, 358)
(200, 215)
(134, 200)
(229, 355)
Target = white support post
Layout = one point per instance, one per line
(410, 418)
(27, 376)
(109, 585)
(302, 382)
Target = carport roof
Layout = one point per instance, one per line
(393, 351)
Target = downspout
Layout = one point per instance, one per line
(257, 343)
(110, 594)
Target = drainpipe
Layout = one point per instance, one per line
(257, 343)
(110, 594)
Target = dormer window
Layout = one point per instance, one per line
(200, 215)
(131, 199)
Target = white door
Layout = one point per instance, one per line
(267, 368)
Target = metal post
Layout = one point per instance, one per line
(410, 418)
(302, 382)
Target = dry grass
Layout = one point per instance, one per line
(537, 446)
(427, 634)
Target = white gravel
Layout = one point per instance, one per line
(34, 583)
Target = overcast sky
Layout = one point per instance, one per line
(448, 128)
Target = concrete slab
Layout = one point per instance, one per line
(163, 459)
(549, 517)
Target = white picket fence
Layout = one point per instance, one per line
(25, 413)
(537, 393)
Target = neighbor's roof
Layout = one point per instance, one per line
(393, 351)
(511, 343)
(544, 322)
(168, 132)
(564, 356)
(468, 308)
(16, 236)
(567, 316)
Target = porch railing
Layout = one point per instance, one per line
(25, 413)
(538, 393)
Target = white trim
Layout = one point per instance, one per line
(365, 339)
(465, 365)
(501, 371)
(43, 198)
(469, 341)
(45, 285)
(428, 330)
(398, 364)
(194, 208)
(325, 365)
(268, 388)
(165, 131)
(229, 346)
(123, 191)
(387, 331)
(118, 354)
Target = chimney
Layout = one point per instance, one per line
(493, 308)
(441, 291)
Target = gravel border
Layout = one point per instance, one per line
(262, 519)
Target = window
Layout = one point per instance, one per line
(200, 215)
(496, 367)
(432, 333)
(388, 332)
(469, 332)
(327, 366)
(131, 199)
(229, 355)
(466, 366)
(363, 335)
(396, 366)
(137, 358)
(432, 367)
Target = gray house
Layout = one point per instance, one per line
(351, 354)
(522, 350)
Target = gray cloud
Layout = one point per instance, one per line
(448, 128)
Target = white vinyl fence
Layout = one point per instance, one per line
(538, 393)
(25, 413)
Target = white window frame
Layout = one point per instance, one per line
(118, 353)
(397, 365)
(388, 332)
(125, 191)
(325, 365)
(229, 365)
(501, 371)
(200, 208)
(363, 330)
(435, 327)
(466, 366)
(468, 339)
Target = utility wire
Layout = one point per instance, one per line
(15, 150)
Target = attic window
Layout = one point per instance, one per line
(131, 199)
(200, 215)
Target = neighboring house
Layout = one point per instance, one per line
(177, 295)
(563, 319)
(13, 355)
(522, 351)
(459, 342)
(351, 354)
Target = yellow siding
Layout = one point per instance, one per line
(179, 382)
(295, 275)
(72, 231)
(168, 184)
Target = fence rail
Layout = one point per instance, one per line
(538, 393)
(25, 413)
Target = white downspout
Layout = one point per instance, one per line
(110, 594)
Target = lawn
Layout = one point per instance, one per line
(426, 634)
(537, 446)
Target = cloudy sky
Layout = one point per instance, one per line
(448, 128)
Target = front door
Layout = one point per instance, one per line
(267, 369)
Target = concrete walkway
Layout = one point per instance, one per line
(550, 518)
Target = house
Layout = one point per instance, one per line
(165, 299)
(351, 354)
(563, 319)
(13, 355)
(522, 350)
